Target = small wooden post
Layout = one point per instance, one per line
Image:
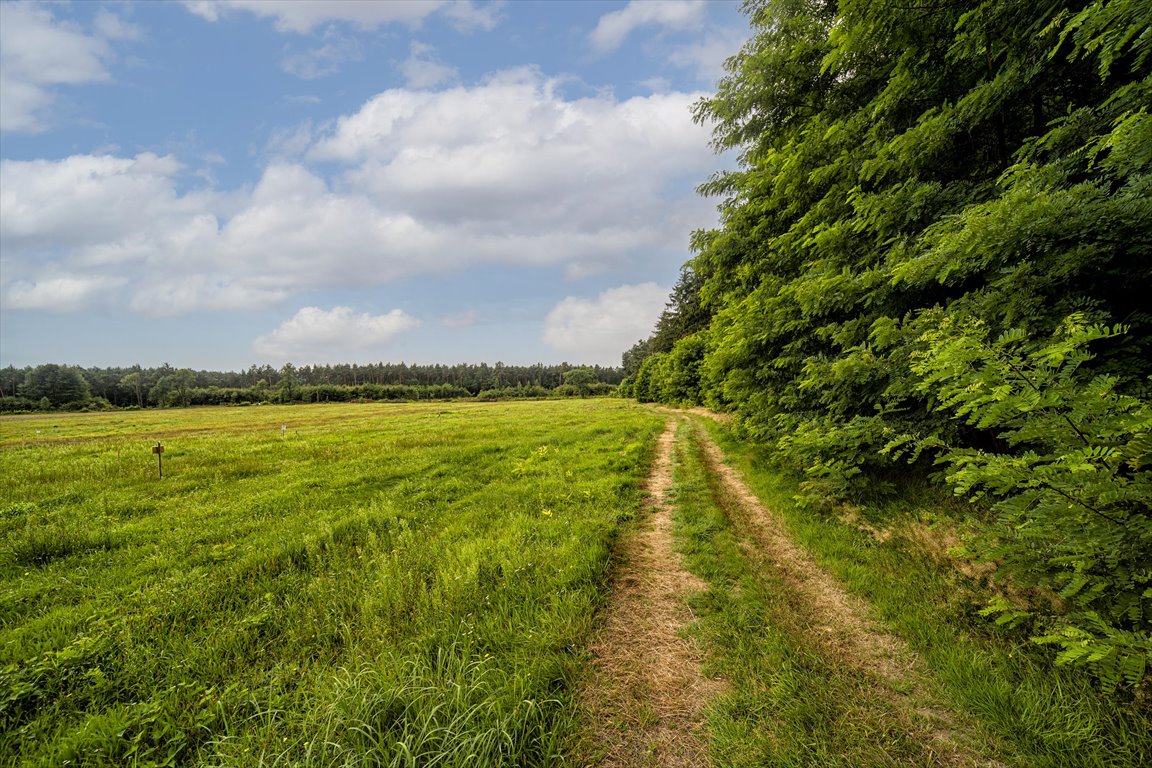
(159, 451)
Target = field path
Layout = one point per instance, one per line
(645, 701)
(843, 630)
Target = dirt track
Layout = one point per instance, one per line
(645, 700)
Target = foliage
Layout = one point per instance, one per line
(684, 315)
(582, 379)
(61, 385)
(1073, 483)
(981, 161)
(167, 387)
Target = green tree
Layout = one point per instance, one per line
(895, 157)
(901, 164)
(134, 381)
(60, 385)
(288, 383)
(582, 379)
(173, 389)
(1072, 488)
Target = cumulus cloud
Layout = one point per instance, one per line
(613, 28)
(599, 330)
(422, 69)
(315, 335)
(302, 16)
(38, 52)
(85, 201)
(507, 172)
(511, 156)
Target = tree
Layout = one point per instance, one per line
(173, 389)
(582, 379)
(903, 166)
(60, 385)
(288, 382)
(683, 315)
(134, 382)
(11, 380)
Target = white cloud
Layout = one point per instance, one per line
(422, 69)
(612, 28)
(59, 294)
(37, 52)
(508, 172)
(512, 157)
(302, 16)
(707, 55)
(86, 199)
(467, 16)
(315, 335)
(598, 331)
(323, 60)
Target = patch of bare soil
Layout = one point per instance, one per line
(721, 418)
(644, 703)
(840, 622)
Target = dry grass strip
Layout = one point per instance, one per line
(644, 704)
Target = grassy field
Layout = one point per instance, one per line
(418, 585)
(320, 586)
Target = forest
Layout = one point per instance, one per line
(62, 387)
(934, 260)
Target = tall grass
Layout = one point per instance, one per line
(374, 585)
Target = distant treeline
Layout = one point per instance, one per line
(64, 387)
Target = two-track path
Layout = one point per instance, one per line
(645, 701)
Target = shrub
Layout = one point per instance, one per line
(1072, 489)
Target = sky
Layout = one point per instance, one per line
(220, 183)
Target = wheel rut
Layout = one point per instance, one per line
(646, 697)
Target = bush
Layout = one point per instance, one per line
(1072, 489)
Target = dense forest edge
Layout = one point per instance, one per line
(934, 261)
(53, 387)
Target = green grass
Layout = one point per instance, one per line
(789, 706)
(377, 585)
(789, 703)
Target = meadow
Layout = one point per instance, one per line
(353, 584)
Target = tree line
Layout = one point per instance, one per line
(935, 257)
(62, 387)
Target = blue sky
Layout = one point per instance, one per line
(217, 183)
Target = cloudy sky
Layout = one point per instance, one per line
(221, 182)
